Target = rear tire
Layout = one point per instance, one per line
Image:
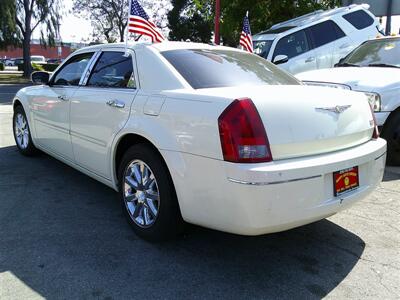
(391, 133)
(22, 133)
(148, 195)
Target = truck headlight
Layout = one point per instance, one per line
(374, 100)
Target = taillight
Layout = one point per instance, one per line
(242, 133)
(375, 133)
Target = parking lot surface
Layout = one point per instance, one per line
(63, 236)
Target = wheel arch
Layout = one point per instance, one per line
(129, 139)
(126, 141)
(16, 103)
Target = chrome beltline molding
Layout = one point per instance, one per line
(273, 182)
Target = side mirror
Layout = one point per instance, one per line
(280, 59)
(40, 77)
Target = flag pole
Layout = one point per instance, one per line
(127, 29)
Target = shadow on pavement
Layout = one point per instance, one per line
(391, 173)
(64, 235)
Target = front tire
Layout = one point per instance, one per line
(22, 133)
(391, 133)
(148, 195)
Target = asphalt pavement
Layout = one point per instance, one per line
(8, 91)
(63, 236)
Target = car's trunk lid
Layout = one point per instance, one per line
(305, 120)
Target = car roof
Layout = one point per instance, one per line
(161, 47)
(308, 20)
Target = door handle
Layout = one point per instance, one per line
(344, 46)
(62, 98)
(116, 103)
(310, 59)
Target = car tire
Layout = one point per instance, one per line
(391, 133)
(22, 133)
(148, 195)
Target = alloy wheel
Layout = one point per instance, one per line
(21, 131)
(141, 195)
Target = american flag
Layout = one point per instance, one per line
(246, 40)
(139, 23)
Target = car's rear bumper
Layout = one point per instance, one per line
(254, 199)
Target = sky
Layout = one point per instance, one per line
(75, 29)
(72, 28)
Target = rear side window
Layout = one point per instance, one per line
(211, 68)
(359, 19)
(113, 69)
(325, 33)
(292, 45)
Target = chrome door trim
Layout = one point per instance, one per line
(89, 67)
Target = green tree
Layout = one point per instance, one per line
(263, 14)
(8, 28)
(29, 14)
(191, 19)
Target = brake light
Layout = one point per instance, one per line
(375, 133)
(242, 134)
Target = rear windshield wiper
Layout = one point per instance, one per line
(346, 64)
(383, 65)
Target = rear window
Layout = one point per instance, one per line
(223, 68)
(359, 19)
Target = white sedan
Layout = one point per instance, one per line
(209, 135)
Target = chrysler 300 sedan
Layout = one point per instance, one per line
(209, 135)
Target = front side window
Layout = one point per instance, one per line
(359, 19)
(292, 45)
(325, 32)
(72, 71)
(384, 52)
(113, 69)
(211, 68)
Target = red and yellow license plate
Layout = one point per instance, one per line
(345, 181)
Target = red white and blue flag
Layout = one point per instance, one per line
(139, 23)
(246, 41)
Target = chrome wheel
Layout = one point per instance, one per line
(21, 131)
(141, 195)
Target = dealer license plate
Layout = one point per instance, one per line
(345, 181)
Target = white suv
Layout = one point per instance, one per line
(317, 40)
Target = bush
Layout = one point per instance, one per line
(1, 66)
(50, 67)
(37, 67)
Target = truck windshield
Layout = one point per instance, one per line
(381, 52)
(203, 68)
(262, 48)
